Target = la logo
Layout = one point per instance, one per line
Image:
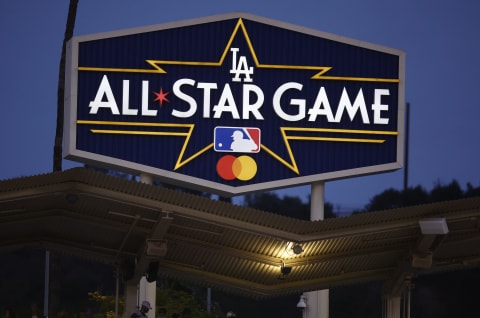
(240, 68)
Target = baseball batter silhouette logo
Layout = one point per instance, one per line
(237, 139)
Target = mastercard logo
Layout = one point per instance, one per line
(243, 168)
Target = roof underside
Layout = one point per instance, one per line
(233, 248)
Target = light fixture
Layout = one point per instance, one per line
(152, 272)
(433, 232)
(285, 270)
(433, 226)
(292, 249)
(297, 249)
(156, 248)
(302, 303)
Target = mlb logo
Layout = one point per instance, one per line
(236, 139)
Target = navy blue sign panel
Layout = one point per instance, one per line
(234, 103)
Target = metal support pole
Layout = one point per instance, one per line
(117, 283)
(47, 283)
(131, 298)
(407, 137)
(148, 291)
(409, 298)
(393, 306)
(209, 300)
(318, 301)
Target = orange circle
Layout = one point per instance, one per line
(244, 168)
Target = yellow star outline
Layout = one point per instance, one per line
(292, 165)
(189, 130)
(319, 75)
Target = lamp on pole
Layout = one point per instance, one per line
(302, 305)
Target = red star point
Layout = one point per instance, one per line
(161, 97)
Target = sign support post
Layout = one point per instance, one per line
(148, 291)
(318, 300)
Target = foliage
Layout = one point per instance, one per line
(392, 198)
(451, 191)
(106, 304)
(177, 298)
(172, 296)
(471, 191)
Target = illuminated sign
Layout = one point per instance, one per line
(233, 104)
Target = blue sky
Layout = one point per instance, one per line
(441, 40)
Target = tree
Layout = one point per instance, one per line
(414, 196)
(388, 199)
(451, 191)
(471, 191)
(392, 198)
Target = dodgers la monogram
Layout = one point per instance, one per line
(241, 68)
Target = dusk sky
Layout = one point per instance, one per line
(440, 38)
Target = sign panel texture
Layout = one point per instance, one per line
(234, 104)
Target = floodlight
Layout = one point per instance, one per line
(302, 304)
(433, 226)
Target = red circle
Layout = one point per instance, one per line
(224, 167)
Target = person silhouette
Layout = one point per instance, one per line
(143, 310)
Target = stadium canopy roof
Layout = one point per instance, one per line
(233, 248)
